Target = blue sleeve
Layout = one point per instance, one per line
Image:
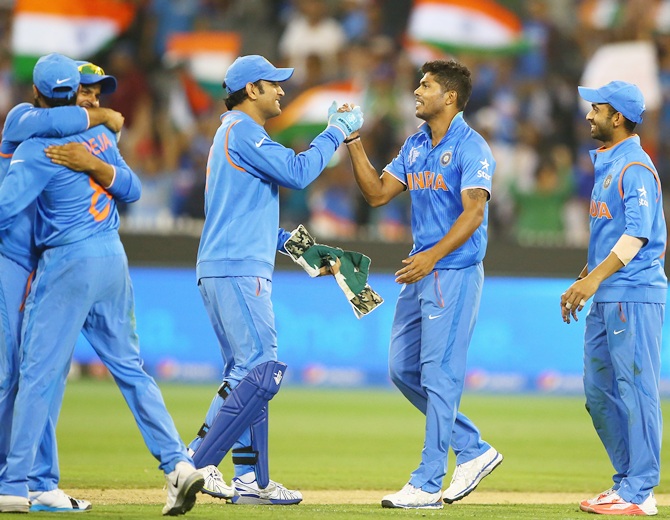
(25, 121)
(477, 165)
(641, 194)
(282, 237)
(126, 186)
(251, 148)
(397, 166)
(22, 185)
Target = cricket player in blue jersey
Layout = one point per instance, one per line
(235, 263)
(81, 284)
(18, 260)
(447, 168)
(625, 276)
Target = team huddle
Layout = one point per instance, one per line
(62, 177)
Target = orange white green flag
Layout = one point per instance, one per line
(465, 26)
(76, 28)
(206, 55)
(307, 115)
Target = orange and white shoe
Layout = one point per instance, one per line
(585, 505)
(613, 504)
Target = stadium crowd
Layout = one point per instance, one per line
(525, 104)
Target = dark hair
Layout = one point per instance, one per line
(451, 75)
(627, 123)
(59, 102)
(238, 96)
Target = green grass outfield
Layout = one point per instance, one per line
(356, 444)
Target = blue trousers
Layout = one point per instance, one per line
(241, 313)
(85, 287)
(622, 362)
(432, 328)
(45, 474)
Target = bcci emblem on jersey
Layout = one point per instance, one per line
(607, 182)
(445, 159)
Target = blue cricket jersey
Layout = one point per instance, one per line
(71, 205)
(245, 169)
(627, 198)
(435, 178)
(23, 122)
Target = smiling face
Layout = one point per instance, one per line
(88, 96)
(269, 96)
(601, 117)
(431, 99)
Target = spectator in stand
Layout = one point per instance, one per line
(312, 30)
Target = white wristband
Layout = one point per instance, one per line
(113, 178)
(627, 247)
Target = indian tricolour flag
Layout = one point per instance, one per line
(307, 115)
(76, 28)
(207, 55)
(465, 26)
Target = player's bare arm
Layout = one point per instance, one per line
(574, 299)
(376, 190)
(77, 157)
(421, 264)
(105, 116)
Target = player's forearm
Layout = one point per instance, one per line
(101, 172)
(367, 177)
(605, 269)
(105, 116)
(464, 226)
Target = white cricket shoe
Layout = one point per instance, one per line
(57, 501)
(468, 475)
(585, 505)
(14, 504)
(214, 484)
(248, 492)
(183, 484)
(410, 497)
(613, 504)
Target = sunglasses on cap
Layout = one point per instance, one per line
(90, 68)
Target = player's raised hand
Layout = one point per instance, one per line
(347, 121)
(114, 121)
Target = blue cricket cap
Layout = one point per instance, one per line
(622, 96)
(91, 74)
(56, 76)
(249, 69)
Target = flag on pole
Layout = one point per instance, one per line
(458, 26)
(307, 115)
(207, 55)
(76, 28)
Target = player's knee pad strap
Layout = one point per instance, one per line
(241, 409)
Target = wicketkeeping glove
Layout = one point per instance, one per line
(351, 277)
(347, 122)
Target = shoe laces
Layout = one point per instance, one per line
(458, 473)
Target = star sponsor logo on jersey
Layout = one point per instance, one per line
(483, 172)
(413, 155)
(642, 197)
(445, 158)
(607, 182)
